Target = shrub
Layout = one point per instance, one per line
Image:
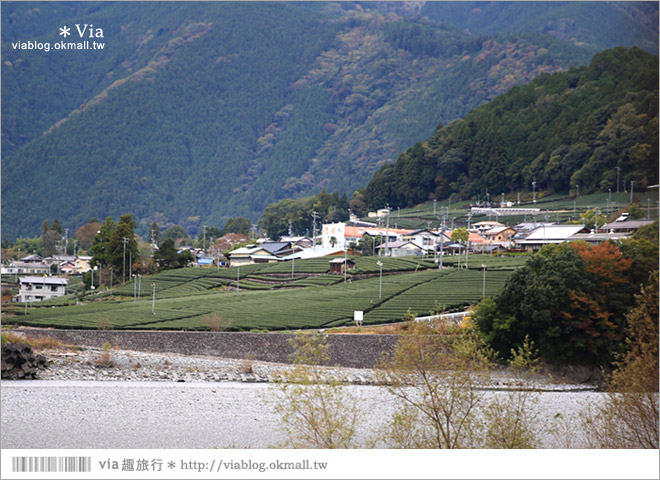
(316, 412)
(216, 323)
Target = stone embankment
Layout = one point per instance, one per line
(353, 351)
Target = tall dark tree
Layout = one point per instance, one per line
(123, 246)
(569, 299)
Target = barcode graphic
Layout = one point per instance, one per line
(51, 464)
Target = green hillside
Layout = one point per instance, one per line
(195, 112)
(563, 130)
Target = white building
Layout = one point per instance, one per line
(37, 289)
(546, 235)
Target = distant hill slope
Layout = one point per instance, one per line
(195, 111)
(595, 26)
(561, 130)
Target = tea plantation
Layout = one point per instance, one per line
(272, 297)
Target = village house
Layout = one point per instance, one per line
(83, 263)
(25, 268)
(302, 242)
(67, 268)
(599, 237)
(400, 248)
(59, 259)
(476, 243)
(624, 225)
(486, 225)
(34, 258)
(267, 252)
(547, 235)
(316, 252)
(37, 289)
(499, 236)
(427, 239)
(342, 235)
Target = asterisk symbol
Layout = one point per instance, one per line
(171, 465)
(65, 31)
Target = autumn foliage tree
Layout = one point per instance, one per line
(629, 416)
(570, 300)
(86, 233)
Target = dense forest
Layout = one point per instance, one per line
(196, 112)
(581, 129)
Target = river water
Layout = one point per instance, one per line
(107, 414)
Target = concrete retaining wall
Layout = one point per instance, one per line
(357, 351)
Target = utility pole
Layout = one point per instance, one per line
(314, 215)
(380, 283)
(153, 300)
(534, 191)
(123, 272)
(631, 190)
(618, 170)
(467, 251)
(58, 249)
(387, 232)
(483, 291)
(577, 189)
(442, 244)
(204, 244)
(345, 261)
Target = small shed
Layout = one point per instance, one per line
(340, 265)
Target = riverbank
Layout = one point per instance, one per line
(94, 364)
(234, 357)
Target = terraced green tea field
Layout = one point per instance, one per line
(270, 297)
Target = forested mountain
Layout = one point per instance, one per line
(194, 112)
(614, 23)
(568, 129)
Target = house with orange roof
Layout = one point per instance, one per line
(341, 235)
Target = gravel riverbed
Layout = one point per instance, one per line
(124, 365)
(127, 399)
